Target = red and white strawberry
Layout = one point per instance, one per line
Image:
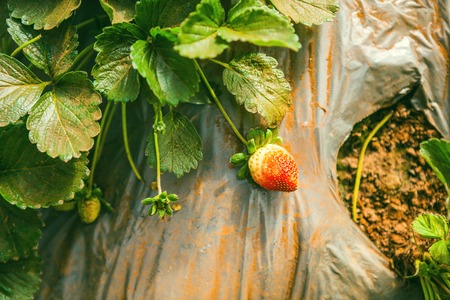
(273, 168)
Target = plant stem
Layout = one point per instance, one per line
(441, 283)
(83, 56)
(107, 126)
(125, 141)
(88, 22)
(97, 152)
(360, 163)
(219, 105)
(158, 118)
(33, 40)
(425, 288)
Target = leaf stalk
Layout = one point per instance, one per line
(18, 49)
(126, 144)
(219, 105)
(158, 118)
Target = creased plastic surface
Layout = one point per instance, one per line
(232, 240)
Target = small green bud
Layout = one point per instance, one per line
(152, 210)
(169, 210)
(159, 127)
(161, 213)
(173, 197)
(148, 201)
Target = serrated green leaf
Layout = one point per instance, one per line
(257, 84)
(162, 13)
(308, 12)
(250, 21)
(54, 53)
(29, 178)
(20, 89)
(171, 77)
(20, 231)
(43, 14)
(439, 252)
(119, 10)
(199, 32)
(114, 73)
(180, 146)
(431, 226)
(20, 279)
(437, 154)
(63, 121)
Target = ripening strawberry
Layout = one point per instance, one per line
(273, 168)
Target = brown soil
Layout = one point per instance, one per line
(396, 185)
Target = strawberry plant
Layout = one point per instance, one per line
(66, 68)
(433, 269)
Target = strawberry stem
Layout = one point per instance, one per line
(97, 151)
(158, 118)
(125, 141)
(219, 105)
(360, 163)
(33, 40)
(83, 57)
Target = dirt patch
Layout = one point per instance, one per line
(396, 185)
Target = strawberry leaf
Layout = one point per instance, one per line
(20, 279)
(20, 231)
(162, 13)
(119, 10)
(308, 12)
(198, 36)
(43, 14)
(114, 73)
(257, 84)
(431, 226)
(250, 21)
(20, 89)
(54, 53)
(180, 143)
(171, 77)
(437, 154)
(63, 121)
(29, 178)
(439, 252)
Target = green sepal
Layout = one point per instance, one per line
(161, 213)
(251, 146)
(239, 159)
(243, 172)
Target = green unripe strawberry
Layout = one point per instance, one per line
(272, 167)
(89, 209)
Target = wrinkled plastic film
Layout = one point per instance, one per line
(232, 240)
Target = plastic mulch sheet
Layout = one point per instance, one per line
(232, 240)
